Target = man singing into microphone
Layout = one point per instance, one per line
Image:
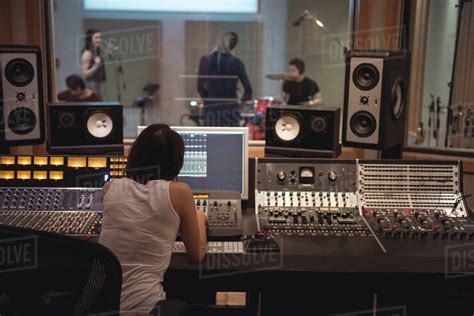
(302, 91)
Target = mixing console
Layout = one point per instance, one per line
(415, 200)
(64, 211)
(236, 247)
(409, 223)
(78, 211)
(308, 198)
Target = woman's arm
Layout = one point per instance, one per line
(85, 62)
(193, 223)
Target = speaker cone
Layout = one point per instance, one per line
(287, 128)
(22, 121)
(366, 76)
(99, 125)
(398, 98)
(19, 72)
(318, 124)
(363, 124)
(66, 120)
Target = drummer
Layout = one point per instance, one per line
(302, 90)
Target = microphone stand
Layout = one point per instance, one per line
(119, 74)
(438, 113)
(329, 32)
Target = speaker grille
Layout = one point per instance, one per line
(22, 121)
(366, 76)
(363, 124)
(19, 72)
(398, 98)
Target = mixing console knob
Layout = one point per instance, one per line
(332, 176)
(281, 175)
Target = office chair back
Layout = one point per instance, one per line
(43, 273)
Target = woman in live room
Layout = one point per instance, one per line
(92, 63)
(218, 76)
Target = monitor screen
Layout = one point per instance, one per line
(215, 158)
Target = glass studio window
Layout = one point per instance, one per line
(446, 115)
(148, 55)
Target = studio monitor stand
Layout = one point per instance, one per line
(394, 152)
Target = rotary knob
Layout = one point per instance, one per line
(281, 175)
(332, 176)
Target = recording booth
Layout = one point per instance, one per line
(257, 157)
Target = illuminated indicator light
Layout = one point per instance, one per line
(40, 175)
(24, 160)
(23, 175)
(56, 175)
(40, 161)
(114, 166)
(7, 160)
(201, 197)
(106, 177)
(97, 162)
(77, 162)
(7, 175)
(57, 161)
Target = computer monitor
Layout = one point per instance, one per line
(215, 158)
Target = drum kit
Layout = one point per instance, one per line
(254, 111)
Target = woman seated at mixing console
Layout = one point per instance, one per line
(143, 213)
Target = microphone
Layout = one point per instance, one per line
(110, 48)
(302, 17)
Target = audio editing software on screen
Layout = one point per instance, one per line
(195, 155)
(213, 161)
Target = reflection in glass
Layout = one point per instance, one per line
(132, 51)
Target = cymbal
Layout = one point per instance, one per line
(284, 77)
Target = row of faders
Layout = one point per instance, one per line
(71, 211)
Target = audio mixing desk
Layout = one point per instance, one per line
(348, 227)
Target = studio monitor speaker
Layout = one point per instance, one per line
(297, 131)
(85, 128)
(375, 100)
(21, 96)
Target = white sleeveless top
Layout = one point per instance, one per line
(140, 226)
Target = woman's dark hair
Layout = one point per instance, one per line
(88, 40)
(298, 63)
(75, 81)
(157, 153)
